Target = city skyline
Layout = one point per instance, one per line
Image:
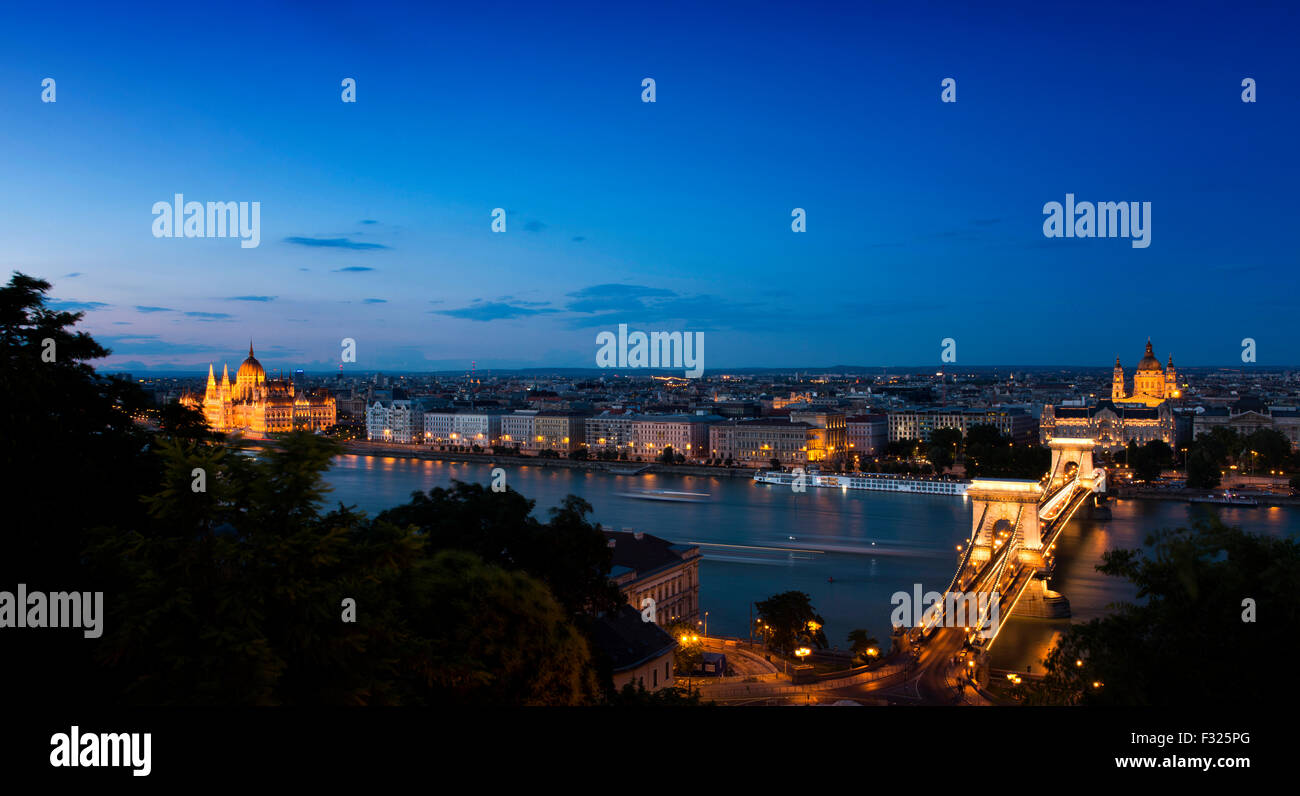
(924, 219)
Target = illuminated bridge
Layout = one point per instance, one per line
(1010, 553)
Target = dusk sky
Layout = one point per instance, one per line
(924, 218)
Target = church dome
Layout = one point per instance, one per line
(250, 371)
(1149, 361)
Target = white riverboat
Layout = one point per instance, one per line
(874, 482)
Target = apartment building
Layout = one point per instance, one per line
(755, 443)
(919, 423)
(867, 434)
(394, 421)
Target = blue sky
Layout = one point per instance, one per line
(924, 219)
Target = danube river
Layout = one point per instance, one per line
(849, 550)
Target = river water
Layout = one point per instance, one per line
(849, 550)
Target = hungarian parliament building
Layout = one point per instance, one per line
(254, 405)
(1139, 415)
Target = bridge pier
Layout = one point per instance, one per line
(1099, 508)
(1040, 602)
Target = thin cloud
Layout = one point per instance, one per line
(615, 297)
(333, 243)
(353, 269)
(251, 298)
(153, 309)
(492, 311)
(75, 306)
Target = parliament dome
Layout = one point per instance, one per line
(250, 374)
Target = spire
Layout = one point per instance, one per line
(1117, 362)
(225, 374)
(250, 347)
(212, 381)
(1149, 352)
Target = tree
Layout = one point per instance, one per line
(74, 459)
(902, 449)
(634, 694)
(1202, 468)
(1147, 461)
(941, 457)
(948, 438)
(472, 618)
(991, 454)
(864, 646)
(228, 586)
(1271, 448)
(666, 456)
(579, 454)
(1195, 628)
(792, 621)
(567, 553)
(690, 648)
(775, 463)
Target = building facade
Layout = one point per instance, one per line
(829, 440)
(1152, 384)
(254, 405)
(1248, 415)
(558, 431)
(918, 424)
(395, 421)
(755, 443)
(867, 434)
(646, 566)
(1112, 425)
(517, 428)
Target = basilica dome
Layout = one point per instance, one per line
(1149, 361)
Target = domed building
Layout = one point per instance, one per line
(1152, 383)
(1142, 415)
(254, 405)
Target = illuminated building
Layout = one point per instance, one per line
(254, 405)
(394, 421)
(1152, 384)
(1142, 415)
(756, 443)
(920, 423)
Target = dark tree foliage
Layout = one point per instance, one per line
(225, 578)
(73, 458)
(791, 621)
(1203, 468)
(636, 695)
(1192, 642)
(991, 454)
(568, 553)
(1148, 460)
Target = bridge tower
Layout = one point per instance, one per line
(1076, 451)
(1003, 510)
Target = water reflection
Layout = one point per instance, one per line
(850, 550)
